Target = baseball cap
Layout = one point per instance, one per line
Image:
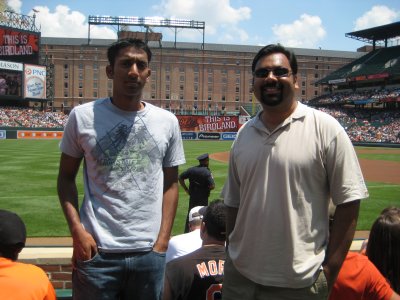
(196, 213)
(203, 156)
(12, 229)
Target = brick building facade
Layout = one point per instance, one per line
(185, 78)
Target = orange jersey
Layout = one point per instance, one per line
(19, 281)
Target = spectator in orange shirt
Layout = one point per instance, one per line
(385, 234)
(19, 281)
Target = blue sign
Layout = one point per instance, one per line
(188, 135)
(2, 134)
(229, 136)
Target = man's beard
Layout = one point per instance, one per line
(272, 99)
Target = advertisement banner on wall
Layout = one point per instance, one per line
(35, 82)
(28, 134)
(3, 134)
(208, 123)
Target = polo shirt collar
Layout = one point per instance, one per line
(299, 113)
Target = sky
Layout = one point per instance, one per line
(313, 24)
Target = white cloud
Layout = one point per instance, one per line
(378, 15)
(303, 33)
(15, 5)
(219, 17)
(66, 23)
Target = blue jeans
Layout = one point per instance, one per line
(138, 275)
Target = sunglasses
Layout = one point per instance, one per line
(278, 72)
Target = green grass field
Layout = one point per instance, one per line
(28, 171)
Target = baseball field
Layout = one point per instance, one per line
(28, 172)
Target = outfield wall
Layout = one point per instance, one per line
(45, 133)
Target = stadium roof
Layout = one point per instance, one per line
(377, 34)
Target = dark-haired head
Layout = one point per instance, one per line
(383, 247)
(214, 219)
(276, 48)
(114, 48)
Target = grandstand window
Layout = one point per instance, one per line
(66, 75)
(66, 66)
(182, 78)
(224, 80)
(80, 94)
(315, 93)
(110, 84)
(167, 78)
(181, 97)
(237, 72)
(210, 88)
(80, 75)
(95, 76)
(238, 63)
(210, 79)
(196, 69)
(237, 98)
(210, 71)
(237, 89)
(223, 98)
(167, 68)
(182, 69)
(167, 87)
(303, 92)
(181, 87)
(316, 67)
(80, 66)
(65, 94)
(303, 83)
(153, 86)
(80, 84)
(167, 96)
(209, 97)
(153, 96)
(196, 79)
(196, 88)
(316, 58)
(316, 75)
(95, 94)
(238, 80)
(223, 71)
(95, 66)
(66, 85)
(95, 84)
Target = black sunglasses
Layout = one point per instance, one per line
(278, 72)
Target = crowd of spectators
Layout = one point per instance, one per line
(375, 95)
(362, 124)
(31, 118)
(368, 125)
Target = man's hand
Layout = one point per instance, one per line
(84, 245)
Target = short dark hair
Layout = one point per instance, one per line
(383, 247)
(276, 48)
(115, 47)
(215, 220)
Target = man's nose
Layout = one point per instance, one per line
(134, 71)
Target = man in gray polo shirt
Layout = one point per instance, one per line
(285, 165)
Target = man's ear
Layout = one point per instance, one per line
(110, 72)
(148, 75)
(296, 85)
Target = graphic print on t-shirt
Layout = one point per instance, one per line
(127, 157)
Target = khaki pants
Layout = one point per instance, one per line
(238, 287)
